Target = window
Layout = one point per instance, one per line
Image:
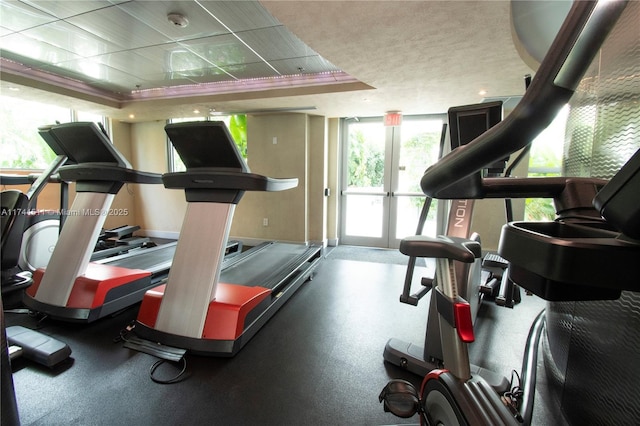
(545, 159)
(22, 147)
(237, 125)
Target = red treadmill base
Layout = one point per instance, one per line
(90, 290)
(226, 315)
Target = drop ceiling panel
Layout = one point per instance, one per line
(250, 71)
(222, 50)
(118, 28)
(154, 14)
(66, 9)
(70, 38)
(96, 74)
(129, 62)
(240, 15)
(17, 16)
(166, 57)
(129, 48)
(185, 61)
(32, 52)
(170, 79)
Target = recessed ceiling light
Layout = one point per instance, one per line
(482, 92)
(132, 116)
(196, 111)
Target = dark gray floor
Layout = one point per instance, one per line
(317, 361)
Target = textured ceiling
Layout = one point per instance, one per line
(336, 58)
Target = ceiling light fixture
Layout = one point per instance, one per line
(178, 19)
(482, 92)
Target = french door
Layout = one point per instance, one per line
(380, 182)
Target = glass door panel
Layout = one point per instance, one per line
(382, 166)
(365, 190)
(418, 140)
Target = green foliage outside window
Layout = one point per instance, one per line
(238, 129)
(366, 162)
(21, 145)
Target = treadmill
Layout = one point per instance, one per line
(209, 306)
(70, 287)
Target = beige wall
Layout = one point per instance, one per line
(296, 215)
(159, 211)
(123, 208)
(276, 147)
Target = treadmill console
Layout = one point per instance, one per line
(206, 144)
(82, 142)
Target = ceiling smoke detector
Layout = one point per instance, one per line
(178, 20)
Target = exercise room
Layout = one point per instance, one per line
(319, 212)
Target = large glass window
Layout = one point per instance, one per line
(21, 145)
(545, 159)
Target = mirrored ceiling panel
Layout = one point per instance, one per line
(118, 28)
(275, 43)
(251, 70)
(70, 38)
(197, 22)
(122, 47)
(17, 16)
(222, 50)
(31, 51)
(67, 8)
(240, 15)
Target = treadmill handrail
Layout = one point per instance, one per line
(581, 35)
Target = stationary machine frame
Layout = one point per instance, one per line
(453, 396)
(71, 288)
(466, 123)
(203, 308)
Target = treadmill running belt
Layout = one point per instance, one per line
(268, 268)
(154, 260)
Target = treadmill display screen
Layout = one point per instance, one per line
(83, 142)
(205, 144)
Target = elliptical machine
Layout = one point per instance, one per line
(452, 395)
(473, 282)
(16, 206)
